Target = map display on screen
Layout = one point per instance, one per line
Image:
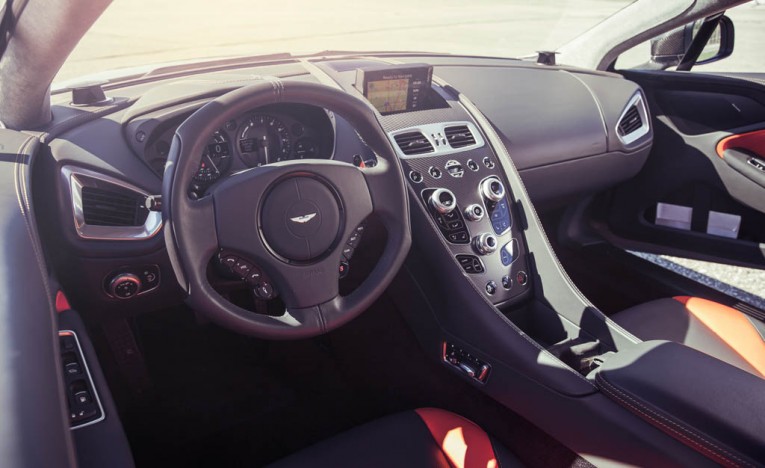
(388, 95)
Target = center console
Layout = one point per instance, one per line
(456, 177)
(452, 171)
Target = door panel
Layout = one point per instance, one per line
(709, 141)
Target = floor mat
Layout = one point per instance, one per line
(222, 399)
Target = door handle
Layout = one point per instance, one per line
(747, 164)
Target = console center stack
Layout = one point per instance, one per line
(460, 185)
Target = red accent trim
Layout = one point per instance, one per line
(682, 299)
(464, 443)
(65, 333)
(732, 327)
(62, 303)
(752, 141)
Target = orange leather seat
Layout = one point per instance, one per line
(710, 327)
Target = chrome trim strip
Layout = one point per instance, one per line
(90, 379)
(76, 178)
(432, 132)
(638, 101)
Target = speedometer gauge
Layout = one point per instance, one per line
(215, 160)
(263, 139)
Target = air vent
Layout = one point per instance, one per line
(634, 123)
(459, 136)
(101, 207)
(413, 143)
(631, 121)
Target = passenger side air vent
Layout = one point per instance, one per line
(459, 136)
(634, 122)
(103, 207)
(630, 122)
(413, 143)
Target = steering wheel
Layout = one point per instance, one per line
(290, 218)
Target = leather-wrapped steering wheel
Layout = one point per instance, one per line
(291, 218)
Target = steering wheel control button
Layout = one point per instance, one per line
(507, 282)
(415, 177)
(491, 288)
(443, 200)
(264, 291)
(522, 278)
(472, 165)
(300, 219)
(242, 268)
(474, 212)
(470, 263)
(434, 172)
(492, 189)
(125, 286)
(343, 269)
(454, 168)
(508, 252)
(488, 162)
(254, 277)
(485, 243)
(348, 252)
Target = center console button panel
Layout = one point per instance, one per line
(464, 362)
(470, 204)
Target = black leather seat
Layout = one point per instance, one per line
(712, 328)
(426, 437)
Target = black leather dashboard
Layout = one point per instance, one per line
(560, 126)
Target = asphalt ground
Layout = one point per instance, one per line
(138, 32)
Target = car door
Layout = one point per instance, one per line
(32, 415)
(701, 193)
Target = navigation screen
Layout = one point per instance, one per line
(388, 95)
(400, 88)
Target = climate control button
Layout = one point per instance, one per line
(443, 201)
(474, 212)
(485, 243)
(493, 189)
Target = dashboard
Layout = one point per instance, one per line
(559, 126)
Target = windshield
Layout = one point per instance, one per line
(134, 33)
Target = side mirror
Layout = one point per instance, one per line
(668, 49)
(685, 44)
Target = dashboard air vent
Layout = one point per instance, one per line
(413, 143)
(102, 207)
(459, 136)
(631, 121)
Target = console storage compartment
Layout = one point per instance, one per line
(709, 405)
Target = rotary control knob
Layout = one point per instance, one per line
(485, 243)
(493, 189)
(443, 200)
(474, 212)
(125, 286)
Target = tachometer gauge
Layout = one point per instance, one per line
(216, 159)
(263, 139)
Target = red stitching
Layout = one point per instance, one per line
(644, 411)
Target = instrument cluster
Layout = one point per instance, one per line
(259, 137)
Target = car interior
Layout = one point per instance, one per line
(389, 259)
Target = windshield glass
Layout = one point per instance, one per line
(134, 33)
